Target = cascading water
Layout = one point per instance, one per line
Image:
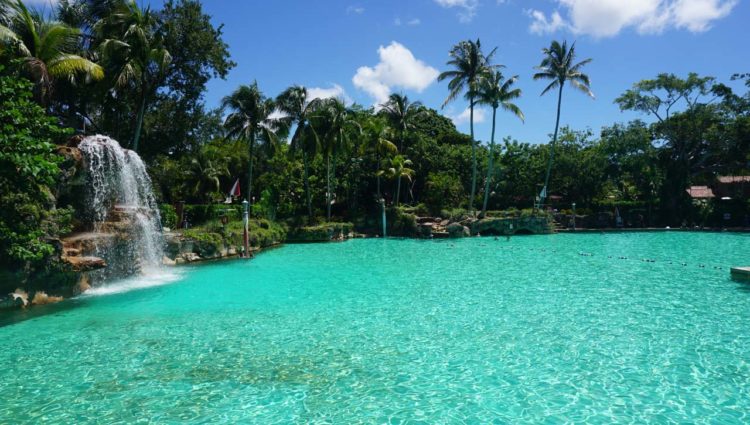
(121, 203)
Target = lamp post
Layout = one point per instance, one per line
(574, 216)
(382, 209)
(245, 219)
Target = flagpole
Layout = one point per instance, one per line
(245, 237)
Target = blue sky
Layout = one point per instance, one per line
(325, 44)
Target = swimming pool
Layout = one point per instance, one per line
(642, 327)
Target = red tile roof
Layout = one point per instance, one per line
(734, 179)
(700, 192)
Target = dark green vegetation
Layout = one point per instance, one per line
(28, 172)
(138, 75)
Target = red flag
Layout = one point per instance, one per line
(235, 190)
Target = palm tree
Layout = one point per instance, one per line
(134, 54)
(397, 168)
(333, 127)
(250, 120)
(377, 141)
(45, 47)
(207, 173)
(495, 91)
(559, 66)
(469, 64)
(401, 114)
(298, 109)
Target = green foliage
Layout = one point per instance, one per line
(401, 223)
(262, 233)
(168, 216)
(320, 233)
(28, 169)
(443, 190)
(203, 213)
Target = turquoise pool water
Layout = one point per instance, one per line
(531, 330)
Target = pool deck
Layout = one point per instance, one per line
(741, 274)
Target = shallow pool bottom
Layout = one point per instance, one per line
(595, 328)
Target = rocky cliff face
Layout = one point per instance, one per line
(436, 227)
(105, 243)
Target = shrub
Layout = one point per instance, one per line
(28, 168)
(443, 190)
(168, 216)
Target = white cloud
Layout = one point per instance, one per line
(463, 117)
(335, 91)
(398, 68)
(468, 8)
(355, 9)
(541, 25)
(411, 22)
(696, 15)
(606, 18)
(276, 114)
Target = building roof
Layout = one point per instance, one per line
(734, 179)
(700, 192)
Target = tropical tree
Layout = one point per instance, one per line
(206, 172)
(559, 65)
(298, 109)
(497, 92)
(401, 114)
(250, 120)
(334, 125)
(469, 64)
(46, 49)
(377, 141)
(134, 55)
(397, 168)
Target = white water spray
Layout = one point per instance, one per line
(122, 200)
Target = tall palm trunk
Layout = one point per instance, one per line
(251, 148)
(473, 155)
(490, 165)
(328, 187)
(307, 184)
(139, 121)
(398, 188)
(377, 176)
(542, 199)
(401, 151)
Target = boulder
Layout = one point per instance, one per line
(20, 297)
(191, 257)
(41, 298)
(458, 230)
(83, 264)
(11, 302)
(425, 229)
(168, 261)
(83, 284)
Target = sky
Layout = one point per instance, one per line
(362, 50)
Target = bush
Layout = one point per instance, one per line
(28, 168)
(168, 216)
(401, 223)
(443, 190)
(262, 233)
(321, 233)
(198, 214)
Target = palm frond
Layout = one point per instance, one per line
(64, 66)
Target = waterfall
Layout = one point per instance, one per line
(121, 202)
